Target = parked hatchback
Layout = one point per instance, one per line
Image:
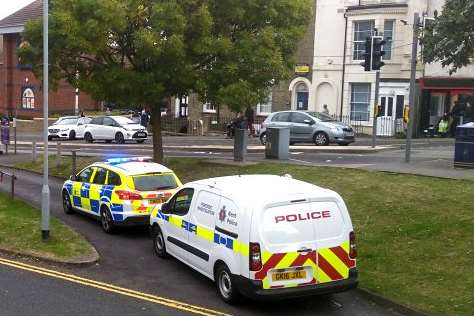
(117, 128)
(318, 128)
(69, 127)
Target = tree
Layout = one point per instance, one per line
(450, 39)
(147, 51)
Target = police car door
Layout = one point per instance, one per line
(95, 190)
(203, 216)
(80, 189)
(177, 225)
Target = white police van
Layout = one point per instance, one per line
(287, 238)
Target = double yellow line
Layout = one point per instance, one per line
(113, 289)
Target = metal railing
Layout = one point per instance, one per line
(4, 175)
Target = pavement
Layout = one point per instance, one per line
(128, 261)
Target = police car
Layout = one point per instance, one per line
(286, 239)
(120, 191)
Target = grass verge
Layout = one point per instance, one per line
(20, 232)
(415, 234)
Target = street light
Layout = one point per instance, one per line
(45, 193)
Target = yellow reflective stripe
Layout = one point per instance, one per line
(176, 221)
(345, 246)
(265, 256)
(287, 260)
(335, 262)
(243, 249)
(94, 192)
(322, 277)
(205, 233)
(265, 283)
(86, 203)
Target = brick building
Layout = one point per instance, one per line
(20, 91)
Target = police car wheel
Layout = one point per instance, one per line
(159, 242)
(67, 207)
(106, 221)
(226, 286)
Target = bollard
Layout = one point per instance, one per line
(240, 144)
(58, 158)
(13, 186)
(33, 150)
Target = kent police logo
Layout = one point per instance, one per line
(222, 214)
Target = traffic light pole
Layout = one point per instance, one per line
(45, 193)
(376, 103)
(411, 121)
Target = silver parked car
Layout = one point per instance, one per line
(318, 128)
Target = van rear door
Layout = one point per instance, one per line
(293, 236)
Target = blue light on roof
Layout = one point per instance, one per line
(119, 160)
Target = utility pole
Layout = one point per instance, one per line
(45, 193)
(376, 103)
(411, 121)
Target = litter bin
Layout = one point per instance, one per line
(5, 131)
(240, 144)
(278, 143)
(464, 147)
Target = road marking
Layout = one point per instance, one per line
(113, 289)
(297, 160)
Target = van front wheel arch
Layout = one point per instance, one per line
(226, 286)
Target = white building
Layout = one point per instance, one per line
(341, 27)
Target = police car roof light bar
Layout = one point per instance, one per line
(119, 160)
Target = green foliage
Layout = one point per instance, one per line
(450, 39)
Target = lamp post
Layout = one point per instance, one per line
(45, 193)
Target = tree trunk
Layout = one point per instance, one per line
(156, 129)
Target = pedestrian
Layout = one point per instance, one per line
(456, 114)
(144, 119)
(325, 109)
(82, 114)
(468, 112)
(250, 116)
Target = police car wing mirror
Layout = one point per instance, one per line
(73, 177)
(165, 208)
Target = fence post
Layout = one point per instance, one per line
(33, 150)
(58, 158)
(13, 186)
(73, 165)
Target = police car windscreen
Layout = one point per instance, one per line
(154, 182)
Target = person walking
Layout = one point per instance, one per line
(325, 109)
(144, 119)
(250, 115)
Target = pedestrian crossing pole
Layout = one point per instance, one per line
(45, 193)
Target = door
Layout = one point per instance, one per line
(81, 188)
(281, 119)
(81, 126)
(97, 183)
(178, 225)
(302, 101)
(301, 127)
(386, 116)
(108, 129)
(204, 216)
(95, 127)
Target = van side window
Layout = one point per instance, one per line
(181, 202)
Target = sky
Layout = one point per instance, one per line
(8, 7)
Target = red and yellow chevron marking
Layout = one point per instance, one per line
(328, 265)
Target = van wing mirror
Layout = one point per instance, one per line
(165, 208)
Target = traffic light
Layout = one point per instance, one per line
(377, 44)
(367, 55)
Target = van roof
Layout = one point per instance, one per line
(264, 188)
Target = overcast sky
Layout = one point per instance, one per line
(7, 7)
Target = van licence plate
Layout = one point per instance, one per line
(285, 276)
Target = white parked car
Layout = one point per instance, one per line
(287, 238)
(68, 127)
(114, 128)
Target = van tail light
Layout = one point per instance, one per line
(255, 257)
(352, 246)
(128, 195)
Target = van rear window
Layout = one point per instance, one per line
(154, 182)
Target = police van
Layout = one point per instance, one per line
(285, 238)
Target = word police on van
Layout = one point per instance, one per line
(285, 239)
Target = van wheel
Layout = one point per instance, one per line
(67, 207)
(159, 242)
(226, 286)
(106, 220)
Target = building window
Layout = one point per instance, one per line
(265, 108)
(362, 30)
(360, 101)
(28, 98)
(301, 96)
(209, 108)
(388, 37)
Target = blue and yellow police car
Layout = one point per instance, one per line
(119, 191)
